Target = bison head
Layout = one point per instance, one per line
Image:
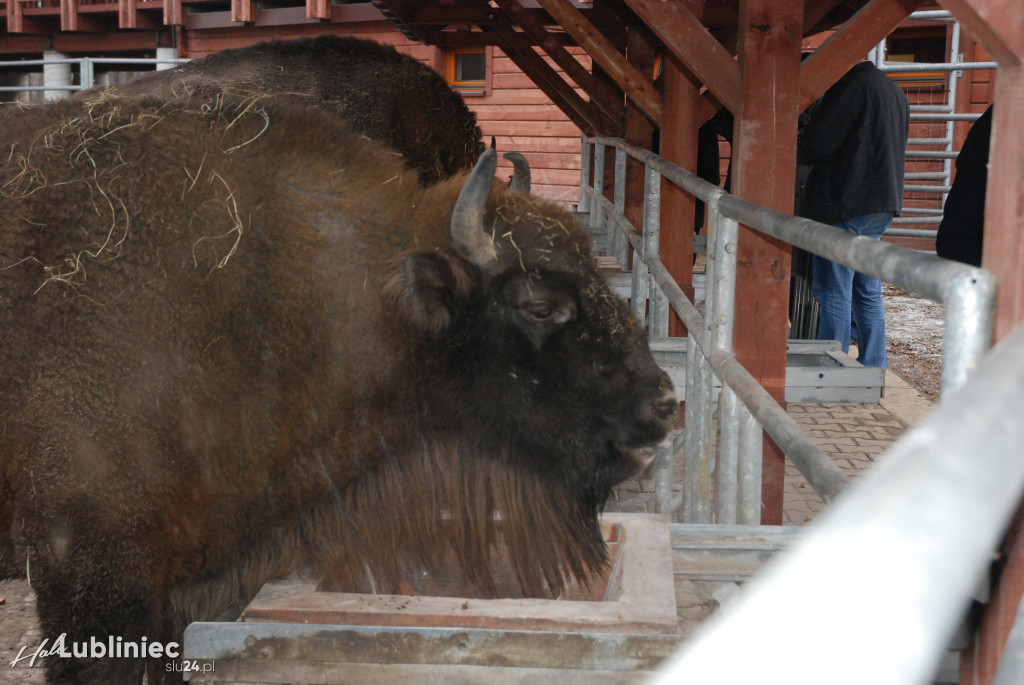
(531, 365)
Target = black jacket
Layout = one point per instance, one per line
(856, 141)
(963, 216)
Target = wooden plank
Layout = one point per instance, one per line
(694, 47)
(636, 85)
(849, 44)
(278, 671)
(528, 143)
(764, 169)
(554, 129)
(485, 111)
(287, 653)
(608, 100)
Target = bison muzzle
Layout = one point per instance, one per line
(241, 341)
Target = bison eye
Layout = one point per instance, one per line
(545, 312)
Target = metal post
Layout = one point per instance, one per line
(728, 456)
(751, 442)
(584, 205)
(168, 57)
(56, 75)
(652, 236)
(618, 245)
(691, 446)
(597, 220)
(641, 281)
(968, 333)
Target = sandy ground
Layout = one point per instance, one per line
(914, 328)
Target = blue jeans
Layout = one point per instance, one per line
(847, 295)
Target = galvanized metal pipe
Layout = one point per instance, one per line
(658, 303)
(822, 474)
(891, 568)
(585, 148)
(728, 456)
(618, 246)
(751, 443)
(690, 447)
(938, 279)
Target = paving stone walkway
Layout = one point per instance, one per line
(853, 435)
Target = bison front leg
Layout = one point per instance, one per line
(93, 603)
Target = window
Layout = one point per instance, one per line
(467, 70)
(926, 46)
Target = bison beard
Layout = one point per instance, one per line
(242, 341)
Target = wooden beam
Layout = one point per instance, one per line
(174, 15)
(849, 45)
(579, 111)
(679, 146)
(607, 99)
(68, 15)
(998, 24)
(127, 14)
(1000, 27)
(815, 11)
(639, 131)
(637, 86)
(764, 171)
(244, 11)
(694, 46)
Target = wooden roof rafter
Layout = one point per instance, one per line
(693, 45)
(636, 85)
(584, 114)
(606, 98)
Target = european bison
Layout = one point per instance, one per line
(382, 93)
(242, 340)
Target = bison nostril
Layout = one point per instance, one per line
(665, 407)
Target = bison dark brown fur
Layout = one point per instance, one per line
(240, 341)
(382, 93)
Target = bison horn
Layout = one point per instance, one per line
(521, 173)
(468, 234)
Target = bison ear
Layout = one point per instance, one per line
(426, 288)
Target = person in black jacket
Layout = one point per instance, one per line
(962, 228)
(855, 143)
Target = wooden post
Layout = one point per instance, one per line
(639, 130)
(764, 169)
(679, 146)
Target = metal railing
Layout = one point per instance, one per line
(86, 70)
(944, 113)
(746, 408)
(884, 577)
